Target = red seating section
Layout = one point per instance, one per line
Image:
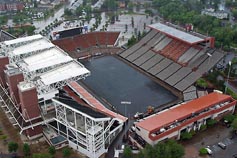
(174, 49)
(85, 41)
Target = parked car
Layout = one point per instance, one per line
(209, 151)
(235, 155)
(222, 145)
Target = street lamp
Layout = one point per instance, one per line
(209, 56)
(125, 108)
(228, 77)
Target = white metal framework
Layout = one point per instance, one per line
(87, 134)
(11, 109)
(43, 63)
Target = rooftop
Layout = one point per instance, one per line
(12, 71)
(181, 111)
(33, 46)
(23, 39)
(46, 58)
(64, 72)
(25, 86)
(84, 109)
(183, 36)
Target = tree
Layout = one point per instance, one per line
(26, 149)
(12, 147)
(67, 12)
(126, 27)
(52, 150)
(201, 82)
(211, 122)
(127, 153)
(234, 124)
(3, 20)
(229, 118)
(169, 149)
(131, 41)
(132, 22)
(130, 6)
(66, 152)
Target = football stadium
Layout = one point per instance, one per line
(81, 89)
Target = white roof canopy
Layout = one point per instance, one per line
(43, 64)
(23, 39)
(176, 33)
(47, 58)
(70, 70)
(33, 46)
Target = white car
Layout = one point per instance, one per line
(209, 151)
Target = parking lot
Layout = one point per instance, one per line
(211, 137)
(231, 146)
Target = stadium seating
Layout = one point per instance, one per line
(173, 61)
(88, 40)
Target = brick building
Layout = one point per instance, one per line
(11, 5)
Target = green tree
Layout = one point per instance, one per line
(52, 150)
(66, 152)
(12, 147)
(111, 5)
(26, 149)
(201, 82)
(169, 149)
(67, 12)
(229, 118)
(234, 124)
(176, 150)
(127, 153)
(130, 6)
(3, 20)
(132, 41)
(203, 151)
(211, 122)
(132, 22)
(149, 151)
(186, 135)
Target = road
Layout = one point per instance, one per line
(40, 25)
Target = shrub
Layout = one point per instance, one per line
(52, 150)
(229, 118)
(3, 137)
(186, 135)
(12, 147)
(203, 151)
(230, 92)
(203, 127)
(66, 152)
(26, 149)
(211, 122)
(193, 132)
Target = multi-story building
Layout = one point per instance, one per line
(170, 123)
(10, 5)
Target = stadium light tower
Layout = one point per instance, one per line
(228, 76)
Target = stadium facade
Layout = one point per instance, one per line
(35, 95)
(40, 93)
